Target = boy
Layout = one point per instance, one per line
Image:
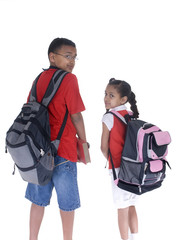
(62, 54)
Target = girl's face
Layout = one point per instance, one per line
(112, 98)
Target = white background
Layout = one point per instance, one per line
(130, 40)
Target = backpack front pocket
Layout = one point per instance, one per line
(156, 166)
(158, 145)
(154, 172)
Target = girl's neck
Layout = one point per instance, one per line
(119, 108)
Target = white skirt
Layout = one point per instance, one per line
(122, 198)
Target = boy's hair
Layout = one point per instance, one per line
(57, 43)
(124, 89)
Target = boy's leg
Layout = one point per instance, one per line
(133, 219)
(123, 222)
(65, 182)
(36, 216)
(40, 197)
(67, 224)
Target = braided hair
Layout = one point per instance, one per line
(124, 89)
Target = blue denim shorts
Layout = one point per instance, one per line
(64, 180)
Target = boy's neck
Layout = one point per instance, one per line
(54, 67)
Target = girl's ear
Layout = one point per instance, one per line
(124, 100)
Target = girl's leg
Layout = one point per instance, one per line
(123, 222)
(67, 224)
(36, 216)
(133, 220)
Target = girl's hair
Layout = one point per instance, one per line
(57, 43)
(124, 89)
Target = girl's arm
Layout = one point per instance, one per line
(105, 141)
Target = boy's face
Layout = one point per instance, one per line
(64, 58)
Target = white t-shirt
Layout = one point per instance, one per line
(108, 119)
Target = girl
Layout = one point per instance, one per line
(118, 93)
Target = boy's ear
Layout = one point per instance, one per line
(51, 57)
(124, 100)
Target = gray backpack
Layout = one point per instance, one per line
(28, 139)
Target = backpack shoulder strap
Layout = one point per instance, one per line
(33, 93)
(124, 120)
(118, 115)
(113, 168)
(53, 86)
(51, 90)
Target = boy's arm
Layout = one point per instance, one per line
(78, 122)
(105, 141)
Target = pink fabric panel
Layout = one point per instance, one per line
(119, 116)
(156, 166)
(116, 181)
(152, 129)
(162, 138)
(140, 144)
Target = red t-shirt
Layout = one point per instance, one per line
(67, 94)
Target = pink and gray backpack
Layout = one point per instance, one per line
(143, 161)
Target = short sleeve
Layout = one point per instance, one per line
(108, 120)
(72, 95)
